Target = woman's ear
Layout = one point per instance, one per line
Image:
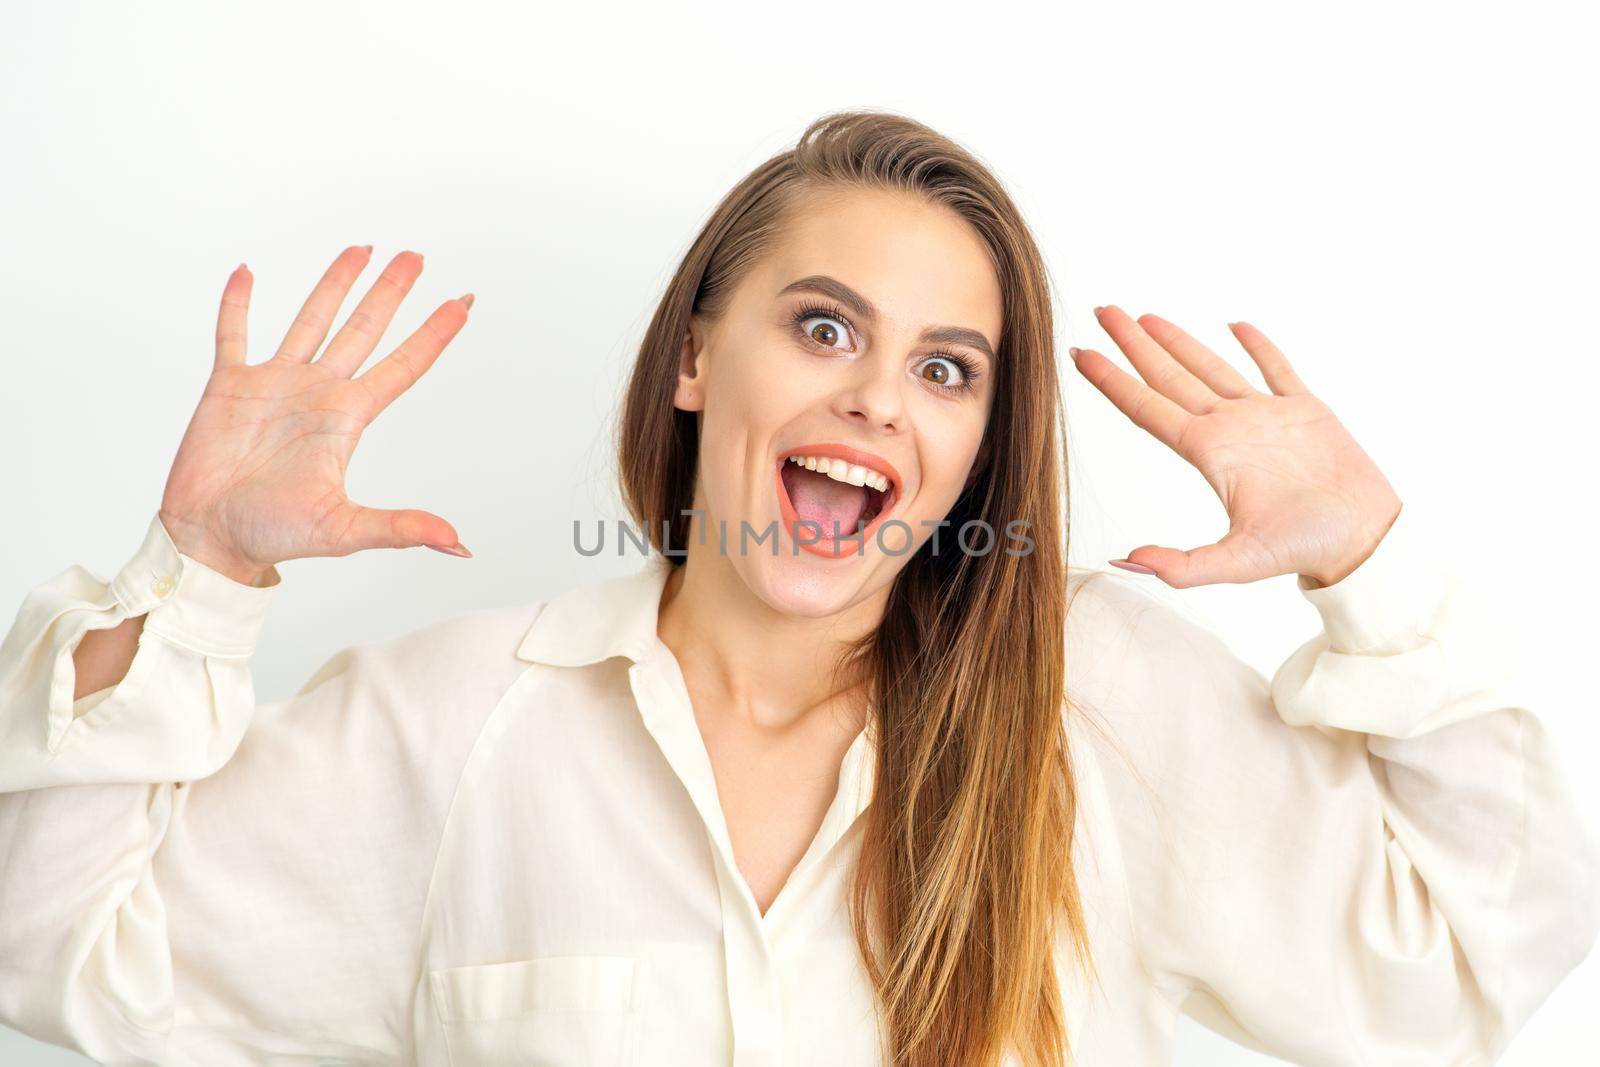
(689, 396)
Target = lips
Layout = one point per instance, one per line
(821, 496)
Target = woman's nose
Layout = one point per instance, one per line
(874, 396)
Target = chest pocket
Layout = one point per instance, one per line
(558, 1011)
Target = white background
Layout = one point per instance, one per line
(1400, 195)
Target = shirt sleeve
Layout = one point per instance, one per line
(193, 878)
(1374, 858)
(199, 631)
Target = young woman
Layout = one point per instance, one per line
(840, 795)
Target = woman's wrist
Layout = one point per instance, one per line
(191, 540)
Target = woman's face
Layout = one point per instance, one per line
(865, 340)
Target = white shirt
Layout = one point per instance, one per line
(497, 839)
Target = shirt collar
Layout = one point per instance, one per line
(612, 617)
(619, 617)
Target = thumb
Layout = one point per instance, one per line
(1222, 562)
(399, 528)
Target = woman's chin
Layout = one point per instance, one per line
(804, 584)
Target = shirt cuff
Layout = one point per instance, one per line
(1386, 603)
(188, 603)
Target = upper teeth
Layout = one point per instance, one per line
(840, 471)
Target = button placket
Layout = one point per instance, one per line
(754, 1005)
(753, 1002)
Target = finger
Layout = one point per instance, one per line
(397, 528)
(400, 369)
(233, 319)
(1146, 407)
(1280, 377)
(1225, 561)
(364, 328)
(1154, 363)
(1218, 375)
(316, 315)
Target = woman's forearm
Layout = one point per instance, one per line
(102, 657)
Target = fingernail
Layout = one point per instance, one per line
(1073, 352)
(1137, 568)
(1099, 309)
(368, 248)
(241, 267)
(468, 299)
(457, 549)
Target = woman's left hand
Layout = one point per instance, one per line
(1302, 497)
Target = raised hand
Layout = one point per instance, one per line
(259, 475)
(1302, 497)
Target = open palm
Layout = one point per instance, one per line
(1301, 495)
(259, 476)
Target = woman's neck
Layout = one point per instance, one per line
(736, 652)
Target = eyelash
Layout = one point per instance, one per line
(970, 371)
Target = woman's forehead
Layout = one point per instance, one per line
(912, 262)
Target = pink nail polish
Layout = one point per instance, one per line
(457, 549)
(1137, 568)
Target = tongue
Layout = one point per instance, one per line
(818, 498)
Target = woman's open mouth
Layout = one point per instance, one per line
(832, 498)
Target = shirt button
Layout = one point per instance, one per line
(163, 585)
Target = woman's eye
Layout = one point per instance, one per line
(942, 371)
(826, 331)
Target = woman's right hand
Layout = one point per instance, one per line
(259, 475)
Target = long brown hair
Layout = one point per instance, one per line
(964, 886)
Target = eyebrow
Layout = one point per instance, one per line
(837, 290)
